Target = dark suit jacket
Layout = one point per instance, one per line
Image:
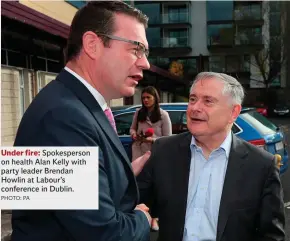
(251, 207)
(65, 113)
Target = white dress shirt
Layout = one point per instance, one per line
(206, 180)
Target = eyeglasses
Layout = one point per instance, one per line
(139, 52)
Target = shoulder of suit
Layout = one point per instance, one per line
(254, 151)
(67, 110)
(254, 148)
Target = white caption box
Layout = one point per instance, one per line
(49, 178)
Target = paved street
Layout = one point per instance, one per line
(284, 123)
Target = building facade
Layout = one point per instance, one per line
(187, 37)
(33, 38)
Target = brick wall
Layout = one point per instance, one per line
(10, 105)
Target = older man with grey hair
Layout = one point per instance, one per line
(209, 185)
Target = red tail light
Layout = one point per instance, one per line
(259, 142)
(262, 111)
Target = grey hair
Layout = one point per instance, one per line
(232, 86)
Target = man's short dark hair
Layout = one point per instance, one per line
(98, 16)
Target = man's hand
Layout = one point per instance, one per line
(138, 164)
(142, 207)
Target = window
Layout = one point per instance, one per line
(153, 37)
(219, 10)
(249, 36)
(248, 12)
(183, 119)
(152, 10)
(3, 57)
(220, 34)
(177, 14)
(189, 66)
(178, 121)
(43, 64)
(206, 64)
(152, 60)
(164, 63)
(236, 129)
(232, 64)
(54, 66)
(17, 59)
(259, 122)
(177, 38)
(175, 116)
(275, 6)
(217, 63)
(178, 33)
(123, 123)
(275, 24)
(246, 63)
(38, 63)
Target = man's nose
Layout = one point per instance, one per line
(143, 63)
(196, 106)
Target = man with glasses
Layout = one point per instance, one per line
(106, 54)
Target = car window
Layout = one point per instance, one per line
(235, 129)
(177, 120)
(175, 116)
(259, 122)
(117, 108)
(123, 123)
(183, 119)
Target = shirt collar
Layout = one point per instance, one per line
(226, 145)
(99, 98)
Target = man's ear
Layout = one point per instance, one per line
(91, 44)
(236, 111)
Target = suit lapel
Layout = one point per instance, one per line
(181, 174)
(84, 95)
(234, 173)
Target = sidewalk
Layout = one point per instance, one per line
(5, 225)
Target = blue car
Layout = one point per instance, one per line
(250, 126)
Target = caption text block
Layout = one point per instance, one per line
(49, 178)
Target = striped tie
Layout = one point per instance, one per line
(109, 114)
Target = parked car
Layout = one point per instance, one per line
(261, 108)
(281, 109)
(250, 126)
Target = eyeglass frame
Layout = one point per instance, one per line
(139, 44)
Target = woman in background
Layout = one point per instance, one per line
(149, 116)
(149, 123)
